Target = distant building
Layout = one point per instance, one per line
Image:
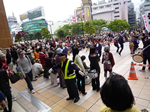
(114, 9)
(143, 8)
(131, 15)
(12, 20)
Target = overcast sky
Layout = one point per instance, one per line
(55, 10)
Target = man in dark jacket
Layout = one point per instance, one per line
(146, 53)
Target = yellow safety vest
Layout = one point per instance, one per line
(66, 69)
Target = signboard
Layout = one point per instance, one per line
(24, 16)
(80, 15)
(104, 10)
(147, 16)
(87, 13)
(34, 26)
(32, 14)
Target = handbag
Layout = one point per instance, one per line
(14, 78)
(92, 74)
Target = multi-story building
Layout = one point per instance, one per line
(143, 8)
(12, 20)
(131, 15)
(114, 9)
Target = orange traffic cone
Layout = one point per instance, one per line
(132, 74)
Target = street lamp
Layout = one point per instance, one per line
(50, 25)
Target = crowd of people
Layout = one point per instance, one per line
(49, 57)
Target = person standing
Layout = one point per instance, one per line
(61, 77)
(94, 59)
(135, 43)
(80, 78)
(146, 53)
(67, 69)
(5, 87)
(25, 67)
(107, 61)
(43, 59)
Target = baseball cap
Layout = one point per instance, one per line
(20, 52)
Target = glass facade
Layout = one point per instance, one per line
(34, 26)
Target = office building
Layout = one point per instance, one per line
(145, 6)
(112, 10)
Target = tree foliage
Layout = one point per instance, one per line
(45, 33)
(60, 33)
(99, 24)
(89, 28)
(118, 25)
(134, 27)
(37, 35)
(77, 28)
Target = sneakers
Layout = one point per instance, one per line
(14, 98)
(32, 91)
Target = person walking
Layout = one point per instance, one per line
(25, 67)
(67, 69)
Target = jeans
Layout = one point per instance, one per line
(28, 79)
(145, 58)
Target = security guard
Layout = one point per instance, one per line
(67, 69)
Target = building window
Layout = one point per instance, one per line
(107, 5)
(117, 8)
(95, 8)
(101, 7)
(116, 12)
(146, 5)
(116, 4)
(116, 16)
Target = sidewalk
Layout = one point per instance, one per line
(52, 99)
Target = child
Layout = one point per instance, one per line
(107, 61)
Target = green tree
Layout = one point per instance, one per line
(30, 36)
(134, 27)
(118, 25)
(89, 28)
(37, 35)
(60, 33)
(77, 28)
(99, 24)
(66, 28)
(45, 33)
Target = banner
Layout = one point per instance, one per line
(147, 14)
(145, 21)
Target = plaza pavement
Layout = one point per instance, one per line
(52, 99)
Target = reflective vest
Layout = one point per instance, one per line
(66, 69)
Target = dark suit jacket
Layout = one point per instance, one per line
(8, 57)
